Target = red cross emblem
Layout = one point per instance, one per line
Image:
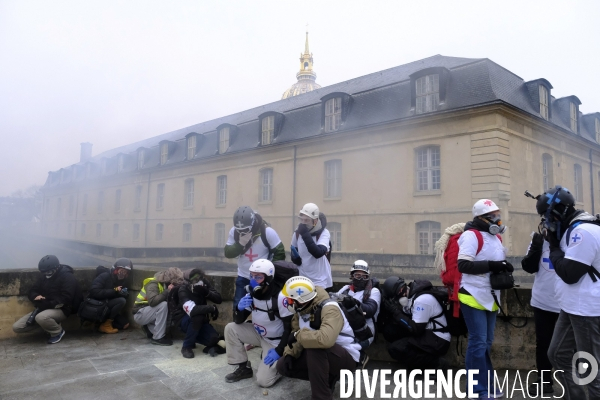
(488, 203)
(251, 255)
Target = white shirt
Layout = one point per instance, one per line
(263, 325)
(581, 298)
(317, 270)
(375, 295)
(424, 309)
(543, 293)
(479, 285)
(256, 252)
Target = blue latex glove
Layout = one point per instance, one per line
(271, 357)
(294, 251)
(245, 302)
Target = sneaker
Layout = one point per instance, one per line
(186, 352)
(363, 360)
(147, 331)
(56, 339)
(163, 341)
(240, 373)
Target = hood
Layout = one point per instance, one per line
(193, 271)
(581, 215)
(65, 269)
(171, 275)
(323, 220)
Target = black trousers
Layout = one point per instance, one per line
(114, 312)
(321, 367)
(413, 357)
(544, 328)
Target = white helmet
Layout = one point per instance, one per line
(360, 265)
(263, 266)
(299, 288)
(310, 210)
(483, 207)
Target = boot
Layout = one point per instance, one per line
(106, 327)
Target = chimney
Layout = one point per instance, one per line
(86, 152)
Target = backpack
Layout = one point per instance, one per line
(354, 315)
(328, 254)
(450, 275)
(456, 326)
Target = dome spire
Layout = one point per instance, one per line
(306, 76)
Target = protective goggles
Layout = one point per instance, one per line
(243, 230)
(257, 277)
(195, 279)
(360, 277)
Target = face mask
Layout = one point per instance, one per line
(50, 274)
(359, 284)
(403, 301)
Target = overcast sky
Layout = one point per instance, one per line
(114, 72)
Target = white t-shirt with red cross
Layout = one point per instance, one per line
(256, 252)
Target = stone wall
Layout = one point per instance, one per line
(513, 348)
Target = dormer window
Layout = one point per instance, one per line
(573, 116)
(597, 130)
(544, 102)
(120, 163)
(223, 139)
(333, 114)
(427, 93)
(191, 147)
(268, 129)
(164, 153)
(140, 159)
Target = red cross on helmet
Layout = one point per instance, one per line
(483, 207)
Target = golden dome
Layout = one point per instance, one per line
(306, 77)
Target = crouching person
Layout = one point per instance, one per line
(269, 329)
(112, 286)
(55, 295)
(193, 313)
(414, 324)
(151, 310)
(321, 343)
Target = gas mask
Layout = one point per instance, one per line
(495, 226)
(50, 273)
(403, 301)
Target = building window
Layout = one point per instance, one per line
(428, 232)
(98, 230)
(160, 196)
(88, 170)
(265, 192)
(140, 160)
(82, 231)
(333, 179)
(120, 164)
(84, 204)
(100, 202)
(544, 102)
(187, 233)
(191, 147)
(219, 235)
(222, 190)
(137, 200)
(428, 168)
(597, 130)
(335, 229)
(47, 208)
(164, 153)
(268, 127)
(223, 139)
(69, 229)
(58, 207)
(573, 114)
(547, 171)
(71, 204)
(333, 114)
(104, 166)
(115, 230)
(118, 200)
(428, 93)
(578, 192)
(136, 232)
(188, 193)
(159, 232)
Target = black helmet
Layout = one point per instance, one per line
(557, 202)
(123, 263)
(243, 219)
(392, 286)
(48, 263)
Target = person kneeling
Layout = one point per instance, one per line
(269, 329)
(150, 309)
(414, 326)
(192, 314)
(322, 342)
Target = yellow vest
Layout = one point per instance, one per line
(142, 298)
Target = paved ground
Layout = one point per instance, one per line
(86, 365)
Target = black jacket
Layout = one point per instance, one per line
(60, 290)
(199, 295)
(103, 286)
